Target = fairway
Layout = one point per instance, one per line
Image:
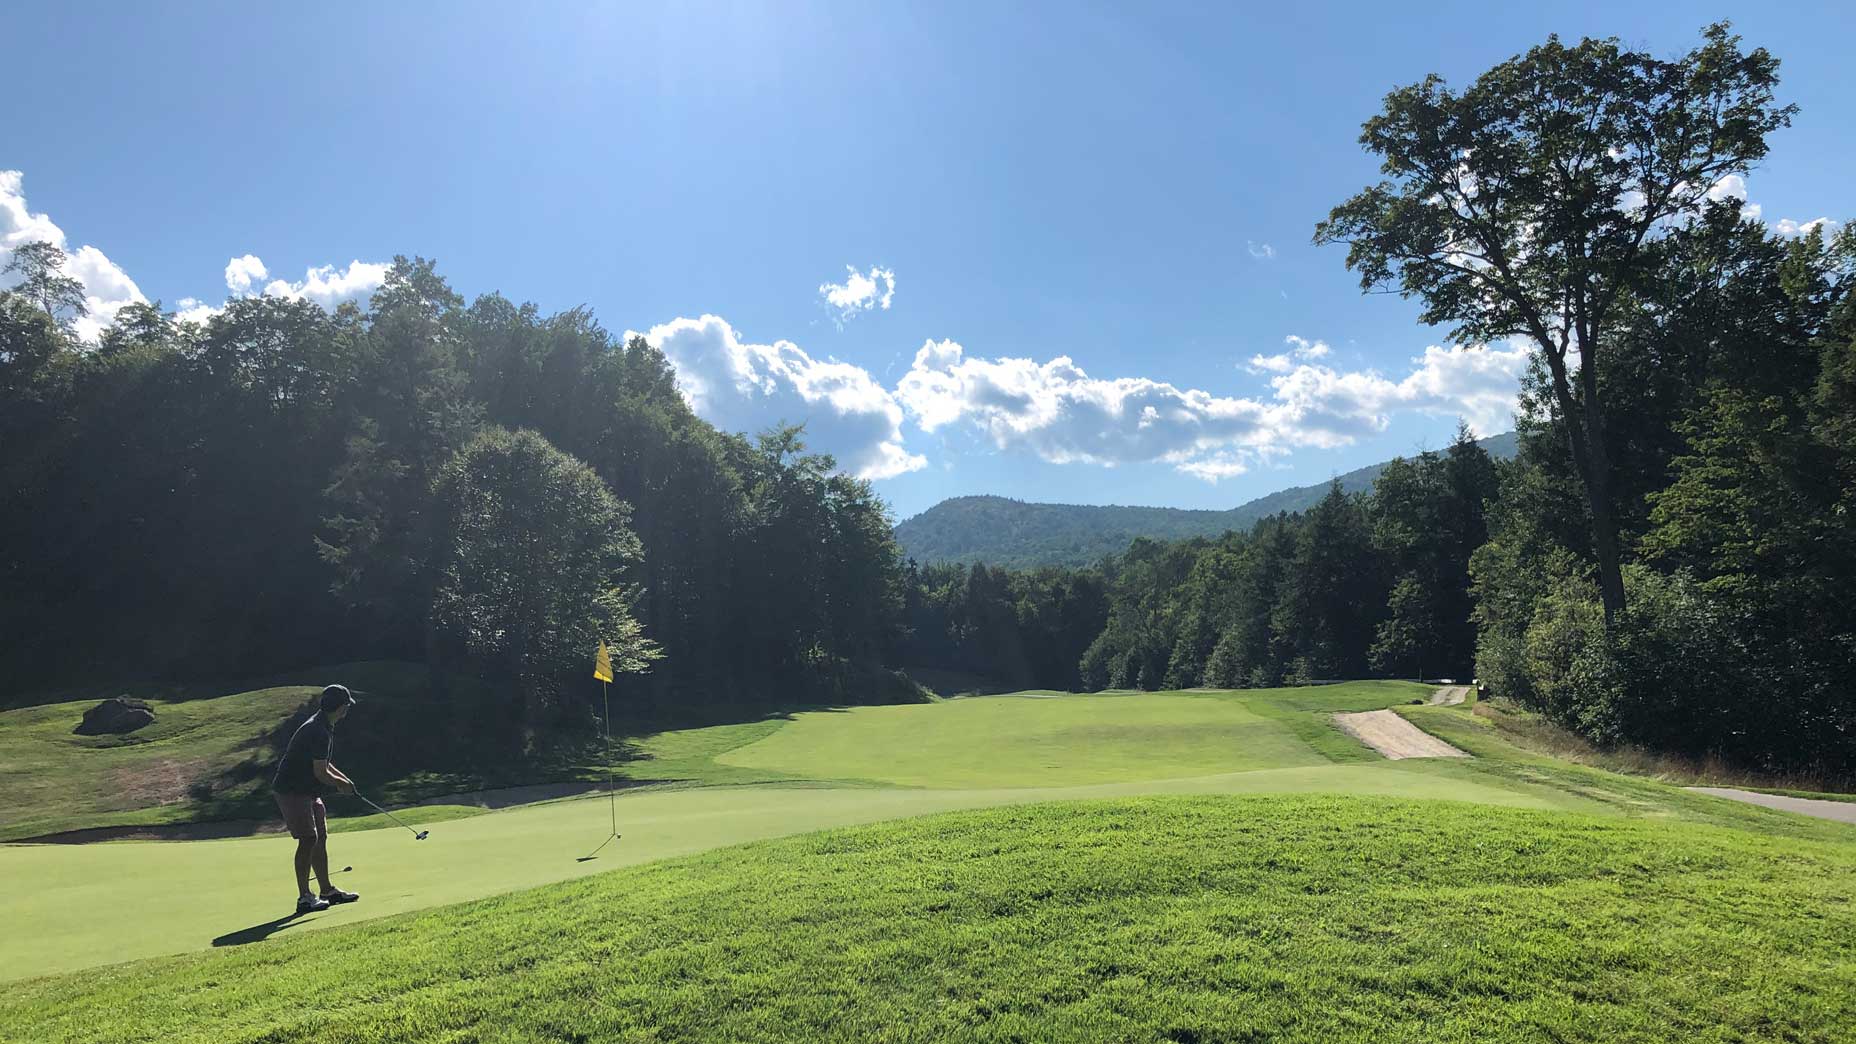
(1027, 741)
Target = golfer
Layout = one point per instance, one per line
(303, 777)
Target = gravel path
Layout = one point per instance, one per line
(1393, 736)
(1450, 695)
(1842, 811)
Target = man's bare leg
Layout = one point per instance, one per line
(320, 860)
(306, 849)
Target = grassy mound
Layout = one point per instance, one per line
(1179, 918)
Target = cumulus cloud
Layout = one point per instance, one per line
(242, 272)
(740, 386)
(860, 292)
(1788, 227)
(1061, 414)
(194, 310)
(107, 288)
(1733, 186)
(326, 285)
(1260, 251)
(1327, 407)
(1299, 348)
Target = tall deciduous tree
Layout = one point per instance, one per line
(1526, 206)
(42, 280)
(534, 563)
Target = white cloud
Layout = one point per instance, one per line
(740, 386)
(1058, 412)
(107, 288)
(194, 310)
(1260, 251)
(1788, 227)
(1299, 348)
(859, 292)
(327, 285)
(1733, 186)
(242, 272)
(19, 224)
(1327, 407)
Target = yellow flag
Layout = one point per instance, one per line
(602, 664)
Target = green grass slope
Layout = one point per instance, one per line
(209, 756)
(1169, 919)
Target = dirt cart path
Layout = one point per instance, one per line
(1842, 811)
(1393, 736)
(1450, 695)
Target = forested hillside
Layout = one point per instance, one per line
(1019, 535)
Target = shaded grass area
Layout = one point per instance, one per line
(689, 755)
(1536, 733)
(211, 758)
(1177, 918)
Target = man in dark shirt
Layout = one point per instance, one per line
(303, 776)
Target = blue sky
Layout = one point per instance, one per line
(1130, 188)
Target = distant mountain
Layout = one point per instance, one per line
(1005, 532)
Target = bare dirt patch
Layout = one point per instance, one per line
(1450, 695)
(1393, 736)
(165, 781)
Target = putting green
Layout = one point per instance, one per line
(74, 906)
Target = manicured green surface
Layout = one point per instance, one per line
(62, 904)
(1026, 740)
(1175, 918)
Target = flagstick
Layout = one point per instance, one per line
(611, 784)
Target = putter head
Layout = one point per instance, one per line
(422, 835)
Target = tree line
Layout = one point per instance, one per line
(1362, 584)
(472, 484)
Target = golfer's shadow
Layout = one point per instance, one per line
(256, 932)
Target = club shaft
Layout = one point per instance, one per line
(383, 811)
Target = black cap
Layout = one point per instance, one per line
(336, 696)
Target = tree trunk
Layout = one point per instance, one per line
(1604, 525)
(1598, 488)
(1585, 437)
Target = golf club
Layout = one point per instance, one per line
(417, 835)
